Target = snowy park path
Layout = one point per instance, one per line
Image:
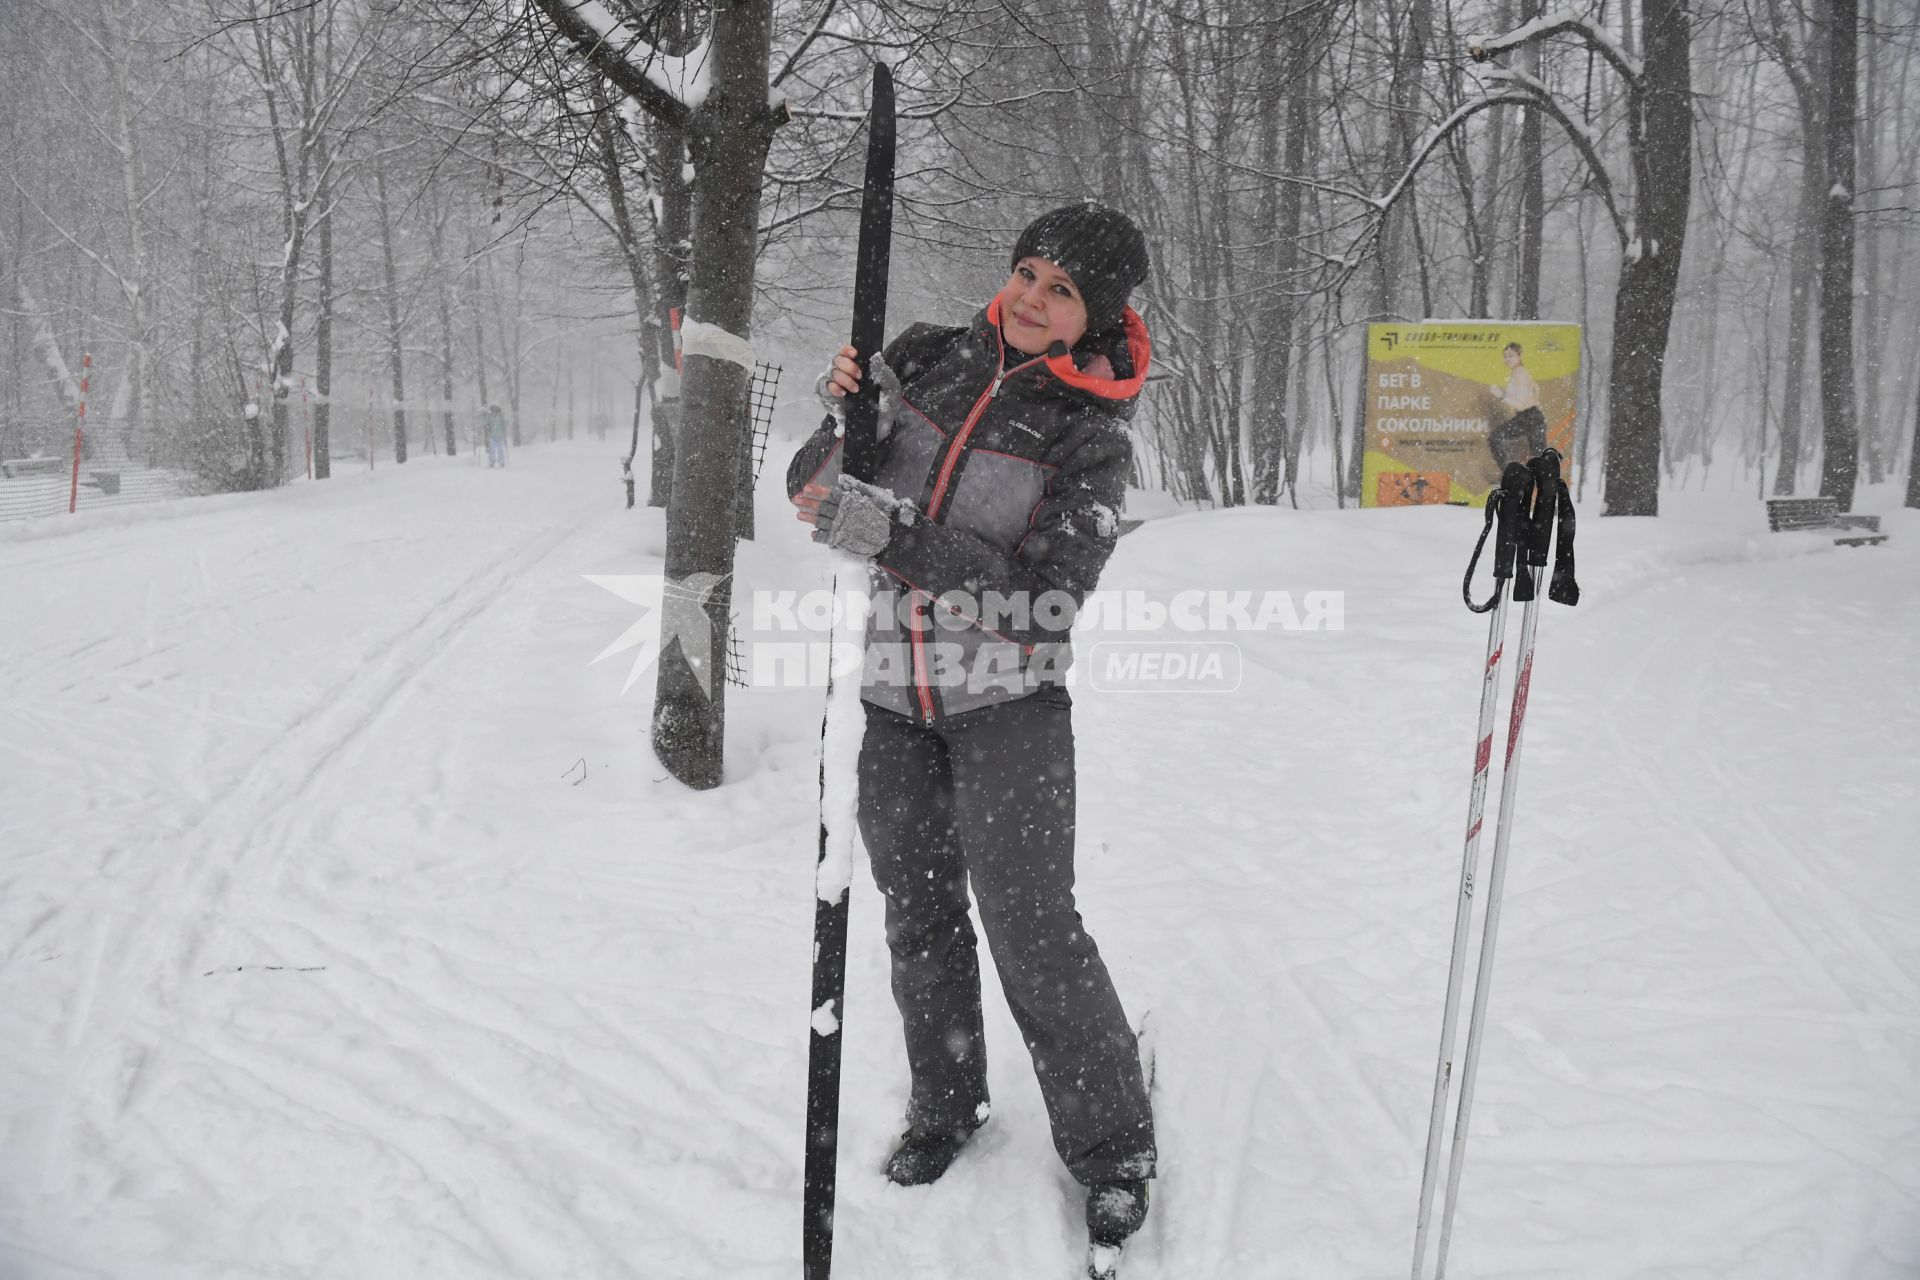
(348, 929)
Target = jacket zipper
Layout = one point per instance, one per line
(920, 662)
(939, 496)
(966, 429)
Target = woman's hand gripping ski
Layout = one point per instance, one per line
(851, 516)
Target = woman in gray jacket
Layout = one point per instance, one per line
(995, 505)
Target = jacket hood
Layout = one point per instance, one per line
(1129, 351)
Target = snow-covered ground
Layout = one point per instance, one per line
(349, 929)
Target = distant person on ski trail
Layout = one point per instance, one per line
(1524, 434)
(496, 425)
(1003, 463)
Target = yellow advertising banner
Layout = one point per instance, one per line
(1451, 402)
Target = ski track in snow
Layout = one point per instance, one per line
(321, 955)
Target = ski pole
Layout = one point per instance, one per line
(1544, 504)
(1501, 505)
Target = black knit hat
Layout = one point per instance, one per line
(1098, 247)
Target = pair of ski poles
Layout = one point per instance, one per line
(1522, 514)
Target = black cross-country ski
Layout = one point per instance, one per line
(831, 881)
(1103, 1261)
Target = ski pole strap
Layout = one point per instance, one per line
(1494, 501)
(1552, 503)
(1563, 589)
(1502, 505)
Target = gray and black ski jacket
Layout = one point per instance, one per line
(1017, 472)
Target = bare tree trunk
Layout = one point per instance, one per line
(396, 362)
(11, 426)
(323, 336)
(1804, 76)
(1763, 379)
(1873, 328)
(1113, 74)
(1840, 464)
(1334, 419)
(1475, 231)
(1484, 264)
(125, 75)
(728, 140)
(1707, 400)
(446, 327)
(671, 248)
(296, 175)
(1409, 61)
(1589, 410)
(1533, 195)
(608, 131)
(1302, 354)
(1279, 315)
(510, 351)
(479, 341)
(282, 362)
(1804, 269)
(1649, 274)
(1913, 453)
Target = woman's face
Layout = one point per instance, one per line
(1040, 307)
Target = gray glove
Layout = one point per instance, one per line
(858, 518)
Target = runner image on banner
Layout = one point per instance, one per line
(1451, 402)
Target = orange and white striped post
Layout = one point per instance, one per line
(80, 431)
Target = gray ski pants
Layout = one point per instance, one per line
(987, 797)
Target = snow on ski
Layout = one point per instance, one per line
(841, 726)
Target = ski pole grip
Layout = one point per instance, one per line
(1545, 471)
(1516, 484)
(1526, 530)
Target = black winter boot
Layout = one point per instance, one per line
(1115, 1211)
(924, 1154)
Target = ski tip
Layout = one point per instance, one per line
(880, 137)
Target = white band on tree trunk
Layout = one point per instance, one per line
(698, 338)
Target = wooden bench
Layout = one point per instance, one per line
(1815, 514)
(107, 482)
(13, 468)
